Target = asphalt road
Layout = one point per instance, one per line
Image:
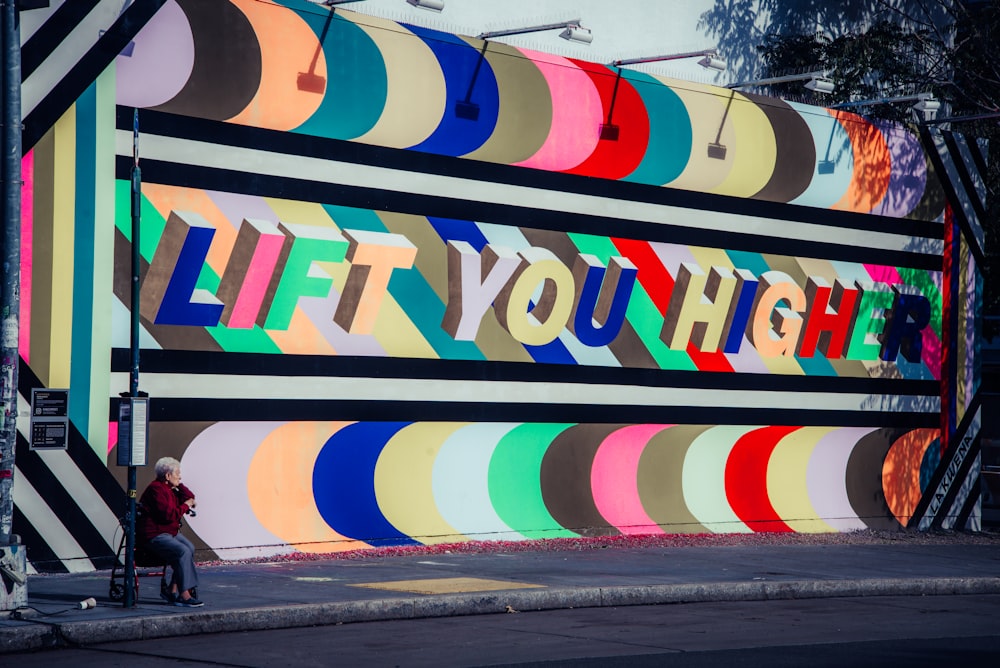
(878, 631)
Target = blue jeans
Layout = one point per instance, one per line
(179, 553)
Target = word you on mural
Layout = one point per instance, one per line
(535, 296)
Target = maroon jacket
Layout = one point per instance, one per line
(162, 509)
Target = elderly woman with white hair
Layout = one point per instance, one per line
(165, 501)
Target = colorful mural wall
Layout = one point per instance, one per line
(399, 276)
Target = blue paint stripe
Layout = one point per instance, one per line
(83, 258)
(451, 229)
(343, 482)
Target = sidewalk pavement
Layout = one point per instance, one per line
(435, 583)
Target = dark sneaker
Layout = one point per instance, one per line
(188, 602)
(168, 596)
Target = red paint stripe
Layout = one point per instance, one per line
(659, 285)
(716, 361)
(619, 158)
(746, 478)
(946, 306)
(653, 276)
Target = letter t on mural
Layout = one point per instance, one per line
(699, 308)
(373, 256)
(168, 295)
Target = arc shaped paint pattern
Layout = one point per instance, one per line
(344, 483)
(708, 105)
(161, 61)
(901, 472)
(615, 159)
(469, 79)
(834, 169)
(289, 52)
(566, 474)
(403, 482)
(788, 480)
(826, 478)
(226, 72)
(704, 479)
(415, 89)
(754, 150)
(460, 479)
(746, 478)
(215, 466)
(515, 483)
(356, 86)
(872, 165)
(908, 175)
(525, 111)
(796, 153)
(576, 113)
(669, 145)
(660, 479)
(864, 478)
(614, 479)
(281, 477)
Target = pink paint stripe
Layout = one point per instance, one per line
(882, 274)
(27, 232)
(614, 481)
(577, 114)
(265, 257)
(112, 436)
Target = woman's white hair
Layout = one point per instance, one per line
(165, 465)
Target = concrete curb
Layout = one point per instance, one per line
(38, 635)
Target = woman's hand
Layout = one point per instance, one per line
(191, 503)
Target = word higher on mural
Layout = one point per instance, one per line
(534, 295)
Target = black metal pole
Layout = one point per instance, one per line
(10, 172)
(133, 387)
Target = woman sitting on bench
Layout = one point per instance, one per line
(164, 502)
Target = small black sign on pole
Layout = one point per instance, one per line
(49, 419)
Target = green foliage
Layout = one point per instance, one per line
(879, 49)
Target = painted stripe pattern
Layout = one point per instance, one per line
(335, 486)
(65, 47)
(379, 82)
(212, 260)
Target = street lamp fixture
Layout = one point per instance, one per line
(571, 30)
(924, 109)
(432, 5)
(709, 59)
(818, 82)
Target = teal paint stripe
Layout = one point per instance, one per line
(83, 258)
(411, 291)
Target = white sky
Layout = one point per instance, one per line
(621, 28)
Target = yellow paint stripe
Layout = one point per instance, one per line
(404, 483)
(63, 234)
(447, 585)
(787, 480)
